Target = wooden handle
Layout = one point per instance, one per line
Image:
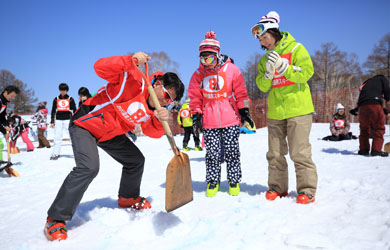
(157, 105)
(165, 124)
(8, 151)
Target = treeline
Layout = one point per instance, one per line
(334, 70)
(337, 75)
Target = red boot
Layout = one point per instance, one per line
(272, 194)
(55, 230)
(139, 203)
(305, 198)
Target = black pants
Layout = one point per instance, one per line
(187, 133)
(340, 137)
(87, 167)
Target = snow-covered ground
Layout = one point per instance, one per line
(352, 208)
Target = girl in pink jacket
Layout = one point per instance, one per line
(219, 102)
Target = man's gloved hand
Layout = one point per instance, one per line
(245, 116)
(280, 66)
(269, 70)
(197, 122)
(354, 111)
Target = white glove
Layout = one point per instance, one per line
(280, 66)
(269, 70)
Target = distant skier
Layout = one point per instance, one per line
(184, 118)
(371, 114)
(9, 93)
(19, 127)
(61, 112)
(339, 126)
(83, 95)
(41, 119)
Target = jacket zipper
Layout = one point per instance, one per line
(101, 114)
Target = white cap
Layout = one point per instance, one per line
(339, 106)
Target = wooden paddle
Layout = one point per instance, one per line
(10, 171)
(178, 184)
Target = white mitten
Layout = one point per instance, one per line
(280, 66)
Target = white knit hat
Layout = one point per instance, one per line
(339, 106)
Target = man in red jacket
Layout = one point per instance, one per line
(103, 120)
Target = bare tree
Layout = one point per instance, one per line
(378, 62)
(335, 71)
(249, 73)
(160, 61)
(23, 103)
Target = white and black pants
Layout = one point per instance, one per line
(87, 167)
(215, 139)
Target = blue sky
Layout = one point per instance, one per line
(44, 43)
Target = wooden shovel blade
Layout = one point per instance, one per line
(178, 186)
(387, 147)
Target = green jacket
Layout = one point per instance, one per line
(293, 100)
(184, 118)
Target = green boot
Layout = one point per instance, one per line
(234, 189)
(186, 149)
(198, 148)
(212, 190)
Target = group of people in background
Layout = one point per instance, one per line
(14, 126)
(218, 103)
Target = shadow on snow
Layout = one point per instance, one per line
(200, 186)
(337, 151)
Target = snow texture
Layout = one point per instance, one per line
(352, 208)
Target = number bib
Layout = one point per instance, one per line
(281, 81)
(185, 113)
(134, 111)
(63, 104)
(339, 123)
(215, 89)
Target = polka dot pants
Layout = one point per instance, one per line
(214, 140)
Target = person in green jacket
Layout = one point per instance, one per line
(184, 118)
(284, 71)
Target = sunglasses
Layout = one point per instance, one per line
(210, 59)
(166, 94)
(260, 28)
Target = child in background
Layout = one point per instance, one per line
(19, 128)
(41, 118)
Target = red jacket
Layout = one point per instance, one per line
(119, 106)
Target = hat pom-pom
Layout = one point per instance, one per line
(211, 35)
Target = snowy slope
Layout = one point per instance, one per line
(352, 210)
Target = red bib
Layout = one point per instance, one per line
(281, 81)
(215, 89)
(339, 123)
(63, 104)
(134, 111)
(185, 113)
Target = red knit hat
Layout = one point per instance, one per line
(210, 44)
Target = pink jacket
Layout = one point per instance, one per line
(218, 99)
